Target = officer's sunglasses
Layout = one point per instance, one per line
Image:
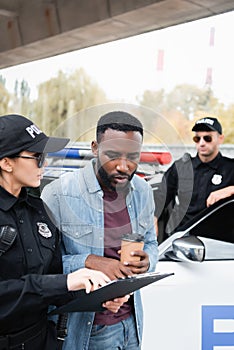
(206, 138)
(41, 158)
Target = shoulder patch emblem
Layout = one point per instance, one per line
(44, 230)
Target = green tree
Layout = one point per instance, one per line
(226, 116)
(4, 98)
(61, 97)
(24, 99)
(188, 99)
(181, 107)
(2, 80)
(153, 99)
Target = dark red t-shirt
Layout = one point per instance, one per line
(116, 223)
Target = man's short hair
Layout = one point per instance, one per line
(118, 120)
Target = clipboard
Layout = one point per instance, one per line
(93, 301)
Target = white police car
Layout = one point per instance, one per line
(194, 308)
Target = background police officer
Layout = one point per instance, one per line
(193, 183)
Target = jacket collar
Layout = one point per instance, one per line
(8, 200)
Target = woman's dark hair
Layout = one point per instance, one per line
(118, 120)
(15, 155)
(11, 156)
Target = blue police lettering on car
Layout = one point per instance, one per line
(212, 337)
(216, 179)
(44, 230)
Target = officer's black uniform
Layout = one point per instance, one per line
(26, 290)
(187, 184)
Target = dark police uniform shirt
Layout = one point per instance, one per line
(25, 289)
(191, 181)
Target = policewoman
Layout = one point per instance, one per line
(193, 183)
(30, 261)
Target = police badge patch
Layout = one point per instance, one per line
(216, 179)
(44, 230)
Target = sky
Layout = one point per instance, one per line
(126, 68)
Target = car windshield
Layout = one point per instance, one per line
(216, 222)
(214, 227)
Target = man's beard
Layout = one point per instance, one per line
(107, 179)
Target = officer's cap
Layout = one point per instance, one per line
(208, 124)
(18, 134)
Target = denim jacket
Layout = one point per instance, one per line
(76, 200)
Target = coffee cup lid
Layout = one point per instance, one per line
(133, 237)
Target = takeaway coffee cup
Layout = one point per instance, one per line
(129, 243)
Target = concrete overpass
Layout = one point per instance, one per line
(35, 29)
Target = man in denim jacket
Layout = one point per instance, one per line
(94, 206)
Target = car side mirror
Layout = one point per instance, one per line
(189, 248)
